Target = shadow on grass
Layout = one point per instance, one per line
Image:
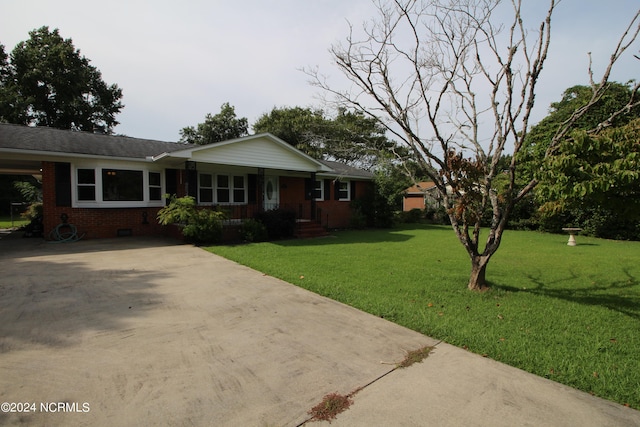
(611, 295)
(401, 233)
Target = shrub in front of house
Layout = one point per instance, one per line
(198, 225)
(358, 219)
(280, 223)
(253, 231)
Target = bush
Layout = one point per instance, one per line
(280, 223)
(205, 227)
(437, 215)
(413, 216)
(253, 231)
(375, 210)
(198, 225)
(358, 220)
(33, 212)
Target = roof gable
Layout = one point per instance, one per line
(262, 150)
(421, 187)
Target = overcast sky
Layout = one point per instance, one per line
(177, 61)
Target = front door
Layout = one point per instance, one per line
(271, 193)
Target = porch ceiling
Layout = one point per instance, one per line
(19, 167)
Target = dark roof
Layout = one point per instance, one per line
(50, 140)
(46, 139)
(342, 169)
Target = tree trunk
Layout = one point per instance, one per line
(477, 280)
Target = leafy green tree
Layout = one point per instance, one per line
(350, 136)
(571, 191)
(47, 82)
(353, 138)
(216, 128)
(596, 175)
(614, 100)
(295, 125)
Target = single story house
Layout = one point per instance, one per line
(422, 195)
(109, 186)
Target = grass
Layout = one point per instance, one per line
(570, 314)
(18, 221)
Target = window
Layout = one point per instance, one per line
(318, 191)
(223, 189)
(206, 188)
(238, 189)
(343, 190)
(231, 189)
(86, 184)
(122, 185)
(155, 186)
(117, 187)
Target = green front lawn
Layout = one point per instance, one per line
(570, 314)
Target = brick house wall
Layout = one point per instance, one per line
(413, 201)
(114, 222)
(99, 222)
(337, 213)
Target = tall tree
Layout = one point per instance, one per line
(442, 77)
(572, 188)
(295, 125)
(47, 82)
(617, 106)
(595, 179)
(349, 136)
(353, 138)
(216, 128)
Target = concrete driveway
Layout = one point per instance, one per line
(149, 332)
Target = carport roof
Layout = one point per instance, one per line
(51, 140)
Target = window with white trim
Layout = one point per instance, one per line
(86, 184)
(231, 189)
(318, 190)
(107, 187)
(155, 186)
(205, 188)
(344, 190)
(239, 189)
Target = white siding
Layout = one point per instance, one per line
(259, 152)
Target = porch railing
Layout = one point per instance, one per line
(242, 212)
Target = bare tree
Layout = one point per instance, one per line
(458, 88)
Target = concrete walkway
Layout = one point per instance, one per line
(149, 332)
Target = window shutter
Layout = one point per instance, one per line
(171, 181)
(353, 190)
(192, 183)
(63, 184)
(252, 188)
(336, 189)
(308, 188)
(327, 189)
